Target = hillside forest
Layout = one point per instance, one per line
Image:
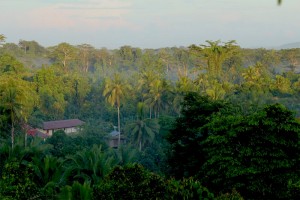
(208, 121)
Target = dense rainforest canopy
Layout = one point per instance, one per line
(208, 121)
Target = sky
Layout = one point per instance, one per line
(151, 23)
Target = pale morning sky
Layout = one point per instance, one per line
(151, 23)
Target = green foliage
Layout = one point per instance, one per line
(211, 140)
(215, 54)
(76, 191)
(62, 144)
(2, 38)
(134, 182)
(234, 195)
(32, 48)
(130, 182)
(63, 54)
(9, 64)
(17, 181)
(90, 164)
(49, 175)
(186, 189)
(154, 158)
(256, 154)
(143, 131)
(186, 155)
(294, 189)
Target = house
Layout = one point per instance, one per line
(113, 139)
(69, 126)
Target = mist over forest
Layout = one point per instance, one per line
(207, 121)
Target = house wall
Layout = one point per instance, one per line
(67, 130)
(48, 132)
(70, 130)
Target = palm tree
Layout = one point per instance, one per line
(114, 91)
(144, 85)
(13, 106)
(215, 55)
(125, 155)
(216, 91)
(183, 86)
(155, 97)
(16, 96)
(90, 164)
(49, 174)
(143, 130)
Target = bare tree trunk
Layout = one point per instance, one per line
(12, 134)
(140, 145)
(119, 127)
(25, 142)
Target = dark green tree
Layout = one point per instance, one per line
(186, 155)
(130, 182)
(258, 155)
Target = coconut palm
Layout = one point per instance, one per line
(146, 79)
(155, 98)
(114, 91)
(216, 91)
(14, 107)
(215, 54)
(183, 86)
(143, 130)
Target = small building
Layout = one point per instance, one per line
(69, 126)
(113, 140)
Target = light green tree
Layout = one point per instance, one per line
(216, 91)
(52, 88)
(282, 84)
(85, 55)
(63, 53)
(17, 97)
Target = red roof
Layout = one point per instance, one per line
(35, 132)
(50, 125)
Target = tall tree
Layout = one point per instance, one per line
(156, 98)
(10, 65)
(2, 39)
(292, 57)
(85, 56)
(143, 130)
(17, 97)
(114, 91)
(103, 59)
(53, 88)
(215, 55)
(64, 53)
